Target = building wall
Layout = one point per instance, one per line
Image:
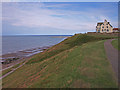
(98, 28)
(105, 27)
(115, 31)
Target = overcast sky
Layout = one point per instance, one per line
(57, 18)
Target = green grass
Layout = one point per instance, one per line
(68, 43)
(6, 71)
(82, 66)
(10, 69)
(115, 44)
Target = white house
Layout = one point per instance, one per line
(104, 27)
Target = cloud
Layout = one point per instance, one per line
(37, 15)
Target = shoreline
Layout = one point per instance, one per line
(11, 59)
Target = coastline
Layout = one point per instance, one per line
(61, 60)
(11, 59)
(19, 58)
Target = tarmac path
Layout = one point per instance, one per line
(112, 55)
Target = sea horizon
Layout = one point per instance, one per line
(37, 35)
(14, 43)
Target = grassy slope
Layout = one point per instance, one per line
(65, 45)
(115, 44)
(78, 66)
(10, 69)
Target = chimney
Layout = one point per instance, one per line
(105, 20)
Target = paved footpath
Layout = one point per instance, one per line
(112, 55)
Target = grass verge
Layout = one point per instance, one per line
(115, 44)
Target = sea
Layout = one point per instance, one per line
(11, 44)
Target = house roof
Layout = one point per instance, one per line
(109, 24)
(115, 28)
(100, 23)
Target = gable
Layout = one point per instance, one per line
(109, 24)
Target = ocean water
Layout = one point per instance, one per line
(11, 44)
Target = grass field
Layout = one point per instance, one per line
(81, 66)
(115, 44)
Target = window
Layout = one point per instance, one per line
(103, 27)
(106, 26)
(108, 30)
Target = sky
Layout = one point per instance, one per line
(60, 0)
(56, 18)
